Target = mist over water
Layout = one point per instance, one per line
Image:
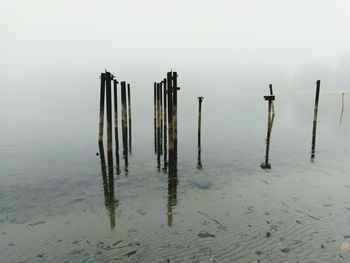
(63, 199)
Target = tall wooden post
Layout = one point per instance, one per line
(109, 111)
(159, 149)
(115, 83)
(318, 83)
(155, 117)
(161, 116)
(165, 125)
(175, 88)
(102, 106)
(170, 114)
(124, 119)
(129, 115)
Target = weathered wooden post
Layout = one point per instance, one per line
(159, 148)
(175, 88)
(313, 145)
(200, 100)
(124, 119)
(161, 116)
(172, 123)
(102, 106)
(109, 111)
(270, 118)
(129, 115)
(155, 117)
(165, 125)
(170, 115)
(115, 83)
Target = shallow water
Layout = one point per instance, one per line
(56, 205)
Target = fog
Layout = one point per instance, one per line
(51, 48)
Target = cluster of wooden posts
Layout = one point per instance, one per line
(107, 170)
(106, 93)
(165, 121)
(165, 133)
(271, 115)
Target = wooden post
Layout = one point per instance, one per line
(270, 118)
(313, 145)
(159, 149)
(102, 106)
(170, 114)
(124, 119)
(129, 115)
(115, 83)
(200, 100)
(161, 116)
(175, 88)
(155, 117)
(109, 111)
(165, 125)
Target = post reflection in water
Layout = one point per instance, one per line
(111, 202)
(270, 119)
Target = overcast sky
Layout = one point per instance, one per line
(221, 34)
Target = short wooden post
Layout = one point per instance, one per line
(313, 145)
(102, 106)
(109, 111)
(200, 100)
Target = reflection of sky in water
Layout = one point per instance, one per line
(52, 200)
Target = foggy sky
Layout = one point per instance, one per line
(219, 36)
